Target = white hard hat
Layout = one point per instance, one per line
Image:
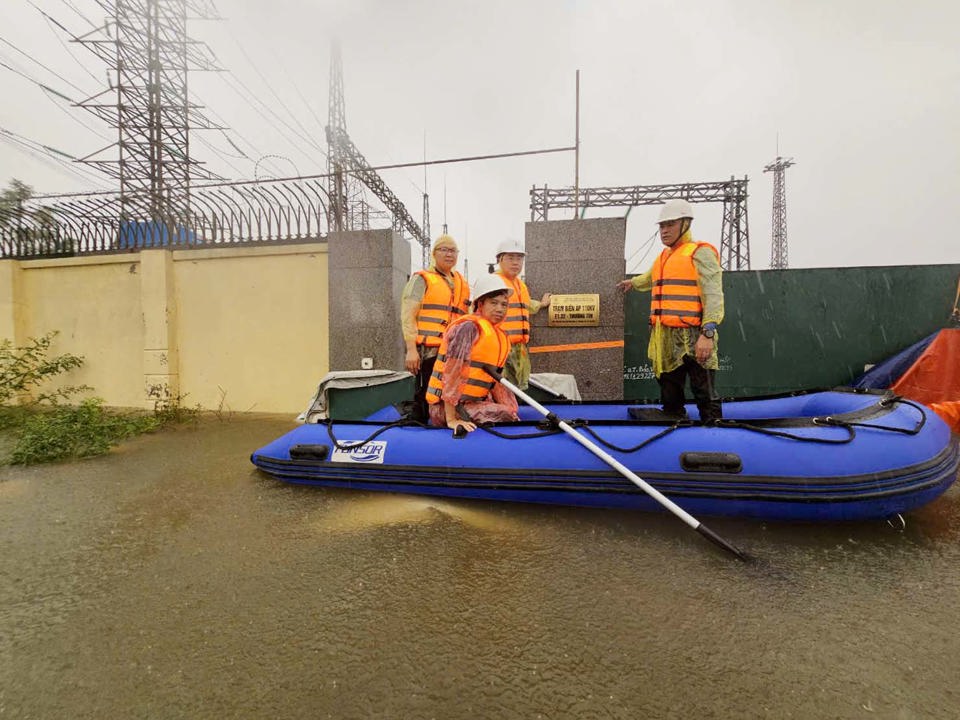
(486, 284)
(510, 245)
(675, 209)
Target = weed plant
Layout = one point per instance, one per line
(62, 432)
(38, 425)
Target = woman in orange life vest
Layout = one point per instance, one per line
(463, 389)
(510, 257)
(686, 306)
(431, 300)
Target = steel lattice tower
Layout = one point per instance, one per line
(149, 54)
(336, 120)
(349, 171)
(425, 249)
(735, 234)
(778, 249)
(349, 208)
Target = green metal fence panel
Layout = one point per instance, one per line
(790, 329)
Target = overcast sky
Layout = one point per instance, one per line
(863, 94)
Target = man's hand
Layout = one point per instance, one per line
(703, 349)
(545, 300)
(412, 361)
(625, 285)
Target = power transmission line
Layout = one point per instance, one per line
(274, 92)
(646, 247)
(74, 8)
(50, 23)
(34, 60)
(318, 176)
(39, 150)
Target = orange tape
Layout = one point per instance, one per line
(576, 346)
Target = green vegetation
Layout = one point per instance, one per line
(24, 370)
(74, 432)
(29, 229)
(38, 425)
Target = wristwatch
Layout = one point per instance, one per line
(708, 332)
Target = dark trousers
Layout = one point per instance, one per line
(701, 382)
(423, 380)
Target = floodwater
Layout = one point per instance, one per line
(170, 579)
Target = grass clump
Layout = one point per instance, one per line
(38, 425)
(76, 431)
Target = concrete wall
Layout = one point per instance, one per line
(253, 326)
(239, 328)
(367, 273)
(94, 303)
(579, 256)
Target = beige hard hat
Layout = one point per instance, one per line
(675, 209)
(444, 241)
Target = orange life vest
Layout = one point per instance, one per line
(675, 300)
(487, 357)
(441, 304)
(516, 323)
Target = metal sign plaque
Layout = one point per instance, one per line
(574, 311)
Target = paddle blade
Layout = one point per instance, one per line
(717, 540)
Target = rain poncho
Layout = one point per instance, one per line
(500, 405)
(668, 345)
(517, 368)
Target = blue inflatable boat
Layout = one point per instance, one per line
(812, 456)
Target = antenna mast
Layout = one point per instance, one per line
(778, 250)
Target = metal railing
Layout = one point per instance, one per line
(215, 215)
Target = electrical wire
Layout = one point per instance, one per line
(39, 150)
(277, 117)
(252, 94)
(219, 154)
(73, 117)
(232, 82)
(74, 8)
(274, 92)
(34, 60)
(52, 94)
(50, 23)
(647, 246)
(319, 176)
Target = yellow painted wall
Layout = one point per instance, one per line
(94, 303)
(244, 328)
(253, 323)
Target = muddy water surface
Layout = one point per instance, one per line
(171, 579)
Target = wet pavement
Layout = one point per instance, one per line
(170, 579)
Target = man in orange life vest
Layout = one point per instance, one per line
(510, 257)
(431, 300)
(686, 306)
(464, 389)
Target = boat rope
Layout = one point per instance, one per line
(902, 401)
(354, 444)
(547, 428)
(520, 436)
(665, 431)
(851, 433)
(829, 421)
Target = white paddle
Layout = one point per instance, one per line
(627, 473)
